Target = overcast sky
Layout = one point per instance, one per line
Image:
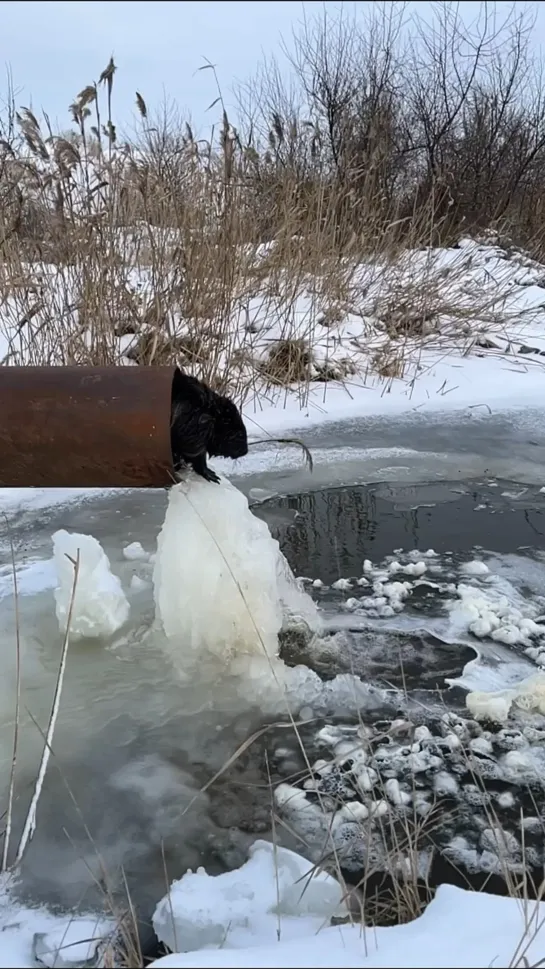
(55, 48)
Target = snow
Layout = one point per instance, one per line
(229, 921)
(74, 942)
(34, 577)
(447, 372)
(271, 891)
(57, 940)
(38, 499)
(496, 931)
(100, 606)
(447, 384)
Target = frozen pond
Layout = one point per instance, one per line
(133, 746)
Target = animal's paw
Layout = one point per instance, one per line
(210, 475)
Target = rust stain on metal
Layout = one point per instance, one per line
(85, 427)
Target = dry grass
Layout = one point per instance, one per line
(230, 255)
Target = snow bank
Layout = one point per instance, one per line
(100, 606)
(496, 931)
(35, 936)
(79, 942)
(272, 890)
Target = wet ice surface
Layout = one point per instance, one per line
(132, 750)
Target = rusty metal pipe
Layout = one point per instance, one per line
(85, 427)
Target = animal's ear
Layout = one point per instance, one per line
(200, 392)
(188, 387)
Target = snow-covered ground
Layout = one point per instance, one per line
(439, 330)
(275, 911)
(458, 930)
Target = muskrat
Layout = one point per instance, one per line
(203, 423)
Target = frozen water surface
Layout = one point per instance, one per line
(154, 706)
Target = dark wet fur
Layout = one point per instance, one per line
(204, 423)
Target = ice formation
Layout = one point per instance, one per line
(475, 567)
(527, 695)
(135, 552)
(213, 550)
(370, 778)
(273, 888)
(490, 613)
(100, 606)
(223, 591)
(137, 584)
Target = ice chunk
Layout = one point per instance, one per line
(481, 745)
(135, 552)
(212, 548)
(100, 606)
(529, 694)
(475, 567)
(274, 884)
(415, 568)
(395, 793)
(351, 604)
(490, 706)
(445, 784)
(484, 612)
(351, 811)
(137, 584)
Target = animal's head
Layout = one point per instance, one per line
(228, 437)
(209, 416)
